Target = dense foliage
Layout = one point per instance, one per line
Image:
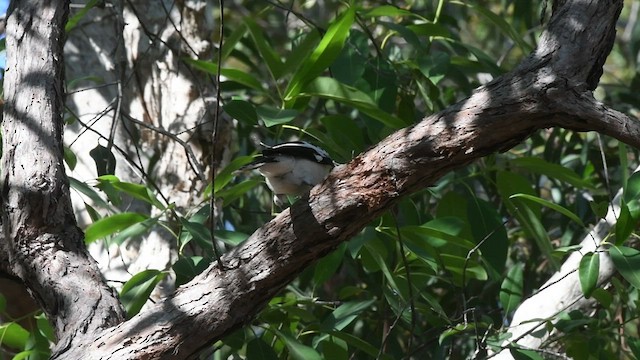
(441, 274)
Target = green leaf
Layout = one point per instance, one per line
(297, 350)
(523, 354)
(232, 238)
(73, 20)
(224, 177)
(430, 29)
(235, 75)
(550, 205)
(627, 262)
(500, 22)
(136, 291)
(389, 10)
(267, 54)
(326, 267)
(634, 345)
(359, 344)
(527, 212)
(632, 195)
(329, 88)
(242, 111)
(458, 265)
(272, 116)
(45, 328)
(625, 225)
(322, 56)
(186, 268)
(111, 225)
(138, 191)
(70, 158)
(135, 230)
(257, 348)
(588, 273)
(511, 288)
(231, 193)
(104, 159)
(555, 171)
(89, 192)
(13, 335)
(487, 227)
(603, 296)
(198, 232)
(345, 314)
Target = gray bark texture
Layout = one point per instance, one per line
(552, 87)
(42, 244)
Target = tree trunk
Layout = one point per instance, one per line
(43, 245)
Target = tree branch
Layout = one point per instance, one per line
(550, 88)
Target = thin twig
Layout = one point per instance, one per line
(214, 164)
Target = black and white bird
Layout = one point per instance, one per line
(291, 168)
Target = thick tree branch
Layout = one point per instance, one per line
(44, 246)
(550, 88)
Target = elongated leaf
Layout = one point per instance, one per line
(511, 288)
(257, 348)
(523, 354)
(198, 232)
(70, 158)
(267, 54)
(89, 192)
(322, 56)
(627, 262)
(272, 116)
(555, 171)
(625, 225)
(500, 22)
(486, 227)
(235, 75)
(13, 335)
(345, 314)
(359, 344)
(226, 174)
(632, 195)
(136, 291)
(562, 210)
(588, 273)
(75, 19)
(135, 230)
(389, 10)
(329, 88)
(138, 191)
(327, 266)
(242, 111)
(527, 212)
(186, 268)
(297, 350)
(110, 225)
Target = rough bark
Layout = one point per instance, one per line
(550, 88)
(43, 245)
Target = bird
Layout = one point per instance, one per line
(291, 168)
